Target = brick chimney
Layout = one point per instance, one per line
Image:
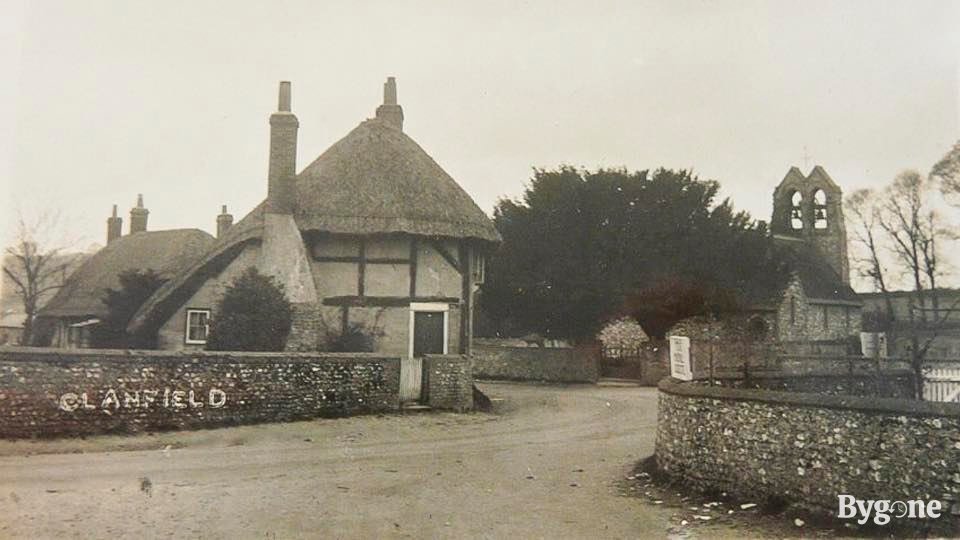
(114, 226)
(138, 216)
(283, 156)
(224, 221)
(390, 113)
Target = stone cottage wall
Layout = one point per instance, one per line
(48, 393)
(808, 448)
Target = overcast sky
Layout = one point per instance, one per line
(104, 100)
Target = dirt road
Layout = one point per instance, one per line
(546, 466)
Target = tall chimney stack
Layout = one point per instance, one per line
(283, 155)
(390, 112)
(224, 221)
(114, 226)
(138, 216)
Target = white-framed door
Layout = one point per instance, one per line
(429, 334)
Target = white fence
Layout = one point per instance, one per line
(942, 382)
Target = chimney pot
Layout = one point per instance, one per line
(114, 226)
(224, 221)
(284, 99)
(390, 91)
(390, 112)
(138, 216)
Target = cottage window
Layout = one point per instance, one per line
(198, 326)
(478, 265)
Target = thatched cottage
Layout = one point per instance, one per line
(371, 234)
(67, 319)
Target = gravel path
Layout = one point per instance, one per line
(547, 465)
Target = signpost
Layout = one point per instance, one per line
(873, 344)
(680, 358)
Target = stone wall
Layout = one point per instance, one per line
(892, 384)
(808, 448)
(567, 365)
(448, 382)
(47, 392)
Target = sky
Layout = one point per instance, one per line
(102, 100)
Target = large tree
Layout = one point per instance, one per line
(580, 244)
(136, 286)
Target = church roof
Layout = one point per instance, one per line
(164, 252)
(819, 280)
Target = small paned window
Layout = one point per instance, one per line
(198, 326)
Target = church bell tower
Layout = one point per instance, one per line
(811, 208)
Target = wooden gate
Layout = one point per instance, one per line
(411, 379)
(942, 383)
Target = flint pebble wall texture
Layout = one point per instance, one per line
(808, 448)
(50, 393)
(567, 365)
(448, 381)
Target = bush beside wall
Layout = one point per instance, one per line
(808, 448)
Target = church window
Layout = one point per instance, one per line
(758, 328)
(793, 311)
(198, 326)
(796, 211)
(819, 209)
(826, 317)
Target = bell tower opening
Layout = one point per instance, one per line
(809, 208)
(796, 211)
(819, 210)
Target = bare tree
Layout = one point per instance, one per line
(914, 230)
(948, 171)
(35, 265)
(863, 207)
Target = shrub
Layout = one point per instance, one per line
(136, 286)
(253, 315)
(355, 338)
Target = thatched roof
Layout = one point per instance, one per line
(378, 180)
(165, 252)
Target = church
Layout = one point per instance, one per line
(809, 307)
(373, 233)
